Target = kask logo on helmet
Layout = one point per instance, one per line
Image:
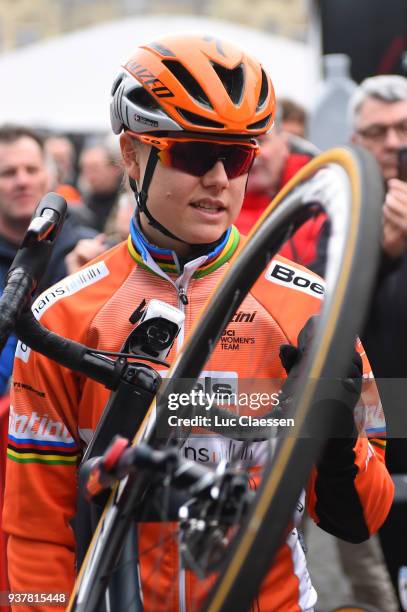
(148, 79)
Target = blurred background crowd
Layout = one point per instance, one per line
(57, 61)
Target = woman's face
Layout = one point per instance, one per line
(197, 209)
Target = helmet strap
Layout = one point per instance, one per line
(141, 196)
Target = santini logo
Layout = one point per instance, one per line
(243, 317)
(37, 427)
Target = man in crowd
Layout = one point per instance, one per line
(24, 179)
(293, 117)
(100, 182)
(378, 111)
(378, 118)
(62, 151)
(276, 164)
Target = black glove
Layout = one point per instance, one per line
(343, 393)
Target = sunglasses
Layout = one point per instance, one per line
(197, 157)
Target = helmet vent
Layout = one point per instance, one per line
(142, 98)
(198, 120)
(264, 90)
(232, 80)
(161, 49)
(259, 124)
(188, 81)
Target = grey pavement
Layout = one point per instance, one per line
(331, 584)
(364, 562)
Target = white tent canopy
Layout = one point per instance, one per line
(65, 83)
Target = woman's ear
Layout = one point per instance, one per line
(131, 156)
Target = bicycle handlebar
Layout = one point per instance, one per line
(68, 353)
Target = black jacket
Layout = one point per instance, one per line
(70, 234)
(384, 338)
(385, 341)
(66, 241)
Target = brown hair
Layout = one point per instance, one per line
(291, 111)
(9, 133)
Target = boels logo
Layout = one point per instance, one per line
(288, 276)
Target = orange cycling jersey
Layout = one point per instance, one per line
(54, 412)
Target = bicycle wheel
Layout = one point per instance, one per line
(347, 189)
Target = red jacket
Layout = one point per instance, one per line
(302, 246)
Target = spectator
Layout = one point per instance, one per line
(23, 181)
(85, 250)
(100, 181)
(117, 229)
(372, 104)
(293, 117)
(117, 226)
(378, 117)
(6, 363)
(272, 169)
(61, 152)
(378, 111)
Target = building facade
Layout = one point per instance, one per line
(23, 22)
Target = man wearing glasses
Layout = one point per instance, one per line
(378, 111)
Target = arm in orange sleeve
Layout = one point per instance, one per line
(44, 447)
(350, 497)
(350, 490)
(40, 495)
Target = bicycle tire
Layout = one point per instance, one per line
(280, 489)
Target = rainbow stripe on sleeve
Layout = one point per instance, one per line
(37, 438)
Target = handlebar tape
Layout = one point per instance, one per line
(66, 352)
(14, 300)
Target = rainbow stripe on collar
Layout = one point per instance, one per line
(167, 260)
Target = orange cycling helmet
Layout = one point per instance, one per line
(186, 85)
(194, 84)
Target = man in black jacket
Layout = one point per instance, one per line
(24, 179)
(378, 111)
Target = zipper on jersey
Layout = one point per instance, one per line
(182, 303)
(181, 285)
(182, 294)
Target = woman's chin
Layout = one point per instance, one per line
(204, 237)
